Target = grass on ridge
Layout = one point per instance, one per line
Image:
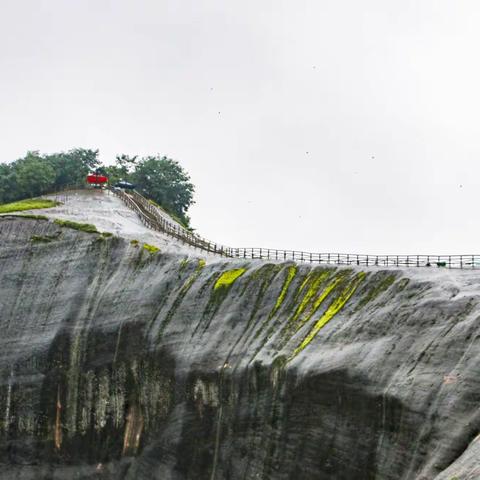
(29, 204)
(83, 227)
(30, 216)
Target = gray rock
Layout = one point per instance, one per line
(121, 363)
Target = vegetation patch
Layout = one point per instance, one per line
(227, 278)
(262, 274)
(312, 301)
(262, 278)
(134, 243)
(28, 216)
(32, 217)
(151, 248)
(316, 304)
(82, 227)
(103, 236)
(402, 284)
(157, 177)
(30, 204)
(44, 238)
(315, 282)
(221, 288)
(331, 311)
(291, 272)
(380, 285)
(181, 295)
(315, 278)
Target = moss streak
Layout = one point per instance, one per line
(316, 279)
(331, 311)
(181, 295)
(82, 227)
(30, 216)
(264, 277)
(291, 272)
(227, 278)
(29, 204)
(316, 305)
(311, 292)
(220, 291)
(379, 286)
(151, 248)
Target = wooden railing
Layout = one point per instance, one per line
(154, 218)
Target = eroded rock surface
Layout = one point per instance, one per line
(120, 363)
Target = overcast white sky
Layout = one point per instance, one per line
(322, 125)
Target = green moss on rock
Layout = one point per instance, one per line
(381, 282)
(227, 278)
(82, 227)
(30, 204)
(331, 311)
(313, 297)
(151, 248)
(221, 287)
(291, 272)
(44, 238)
(40, 239)
(31, 216)
(314, 282)
(181, 294)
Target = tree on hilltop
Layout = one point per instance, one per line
(159, 178)
(164, 181)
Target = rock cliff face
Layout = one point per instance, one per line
(121, 363)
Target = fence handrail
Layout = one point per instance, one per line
(150, 216)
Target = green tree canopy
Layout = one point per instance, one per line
(34, 175)
(161, 179)
(8, 183)
(124, 164)
(166, 182)
(72, 167)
